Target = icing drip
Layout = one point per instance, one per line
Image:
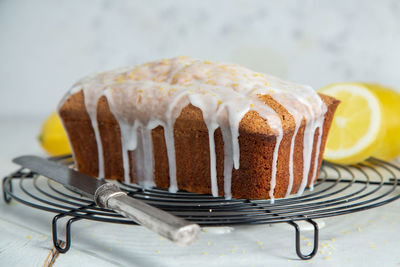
(209, 106)
(308, 143)
(148, 165)
(169, 141)
(144, 97)
(228, 160)
(174, 111)
(91, 97)
(314, 176)
(275, 123)
(128, 143)
(291, 159)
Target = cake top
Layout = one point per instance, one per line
(155, 85)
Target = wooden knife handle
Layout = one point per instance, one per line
(165, 224)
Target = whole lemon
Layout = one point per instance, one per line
(53, 137)
(390, 100)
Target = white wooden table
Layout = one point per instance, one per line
(369, 238)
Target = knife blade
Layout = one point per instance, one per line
(108, 195)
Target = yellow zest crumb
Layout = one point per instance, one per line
(243, 251)
(309, 243)
(219, 102)
(204, 230)
(207, 62)
(120, 79)
(208, 243)
(158, 251)
(325, 244)
(326, 258)
(110, 249)
(251, 105)
(28, 236)
(333, 239)
(139, 99)
(205, 253)
(235, 84)
(371, 245)
(255, 74)
(259, 243)
(346, 232)
(359, 229)
(221, 255)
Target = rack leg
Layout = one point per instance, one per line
(7, 185)
(57, 243)
(316, 238)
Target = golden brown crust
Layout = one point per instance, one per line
(256, 139)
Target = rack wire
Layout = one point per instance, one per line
(339, 190)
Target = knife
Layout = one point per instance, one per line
(108, 195)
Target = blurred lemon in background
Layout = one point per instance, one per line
(53, 137)
(366, 123)
(390, 100)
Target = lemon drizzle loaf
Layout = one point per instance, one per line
(151, 123)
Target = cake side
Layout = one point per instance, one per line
(256, 140)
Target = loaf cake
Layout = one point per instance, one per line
(199, 126)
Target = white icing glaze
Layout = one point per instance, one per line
(314, 176)
(153, 94)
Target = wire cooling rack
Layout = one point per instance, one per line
(339, 190)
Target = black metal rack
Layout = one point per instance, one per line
(339, 190)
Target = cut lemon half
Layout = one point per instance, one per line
(357, 128)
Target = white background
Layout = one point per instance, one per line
(45, 46)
